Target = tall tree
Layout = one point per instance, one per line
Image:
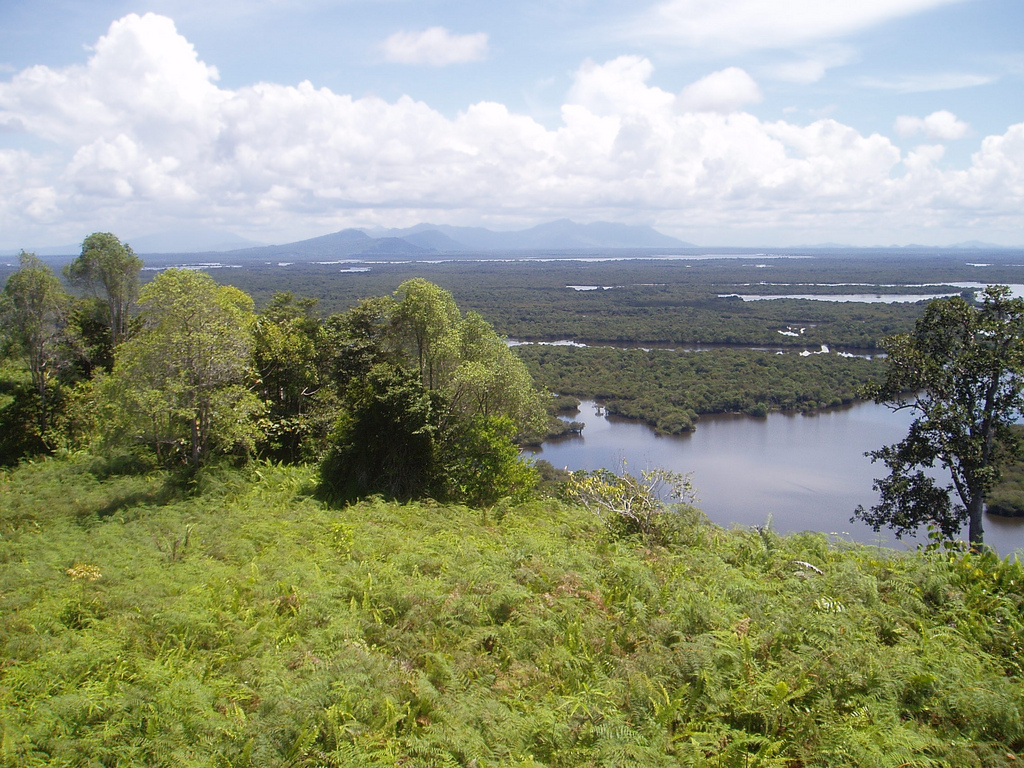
(292, 355)
(962, 373)
(110, 269)
(33, 315)
(424, 317)
(433, 402)
(183, 380)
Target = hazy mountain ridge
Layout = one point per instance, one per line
(424, 239)
(427, 239)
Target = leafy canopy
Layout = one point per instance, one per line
(110, 269)
(962, 372)
(433, 402)
(181, 384)
(33, 326)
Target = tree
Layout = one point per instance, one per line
(962, 372)
(384, 441)
(292, 357)
(33, 317)
(628, 504)
(433, 402)
(109, 267)
(423, 318)
(182, 383)
(479, 462)
(486, 379)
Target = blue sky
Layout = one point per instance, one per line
(746, 122)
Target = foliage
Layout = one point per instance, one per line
(396, 438)
(384, 441)
(423, 320)
(292, 355)
(480, 463)
(962, 373)
(247, 625)
(668, 389)
(109, 269)
(180, 385)
(21, 432)
(628, 504)
(33, 320)
(433, 403)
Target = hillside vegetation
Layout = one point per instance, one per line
(239, 622)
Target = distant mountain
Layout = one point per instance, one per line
(455, 238)
(199, 240)
(411, 242)
(560, 235)
(395, 246)
(348, 243)
(434, 240)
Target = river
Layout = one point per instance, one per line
(798, 471)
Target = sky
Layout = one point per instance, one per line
(722, 122)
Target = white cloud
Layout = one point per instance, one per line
(723, 91)
(940, 126)
(436, 46)
(949, 81)
(813, 66)
(733, 26)
(619, 86)
(142, 136)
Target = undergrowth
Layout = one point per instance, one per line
(245, 624)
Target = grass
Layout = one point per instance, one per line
(245, 624)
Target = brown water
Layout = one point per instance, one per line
(801, 472)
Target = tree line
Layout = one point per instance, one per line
(670, 389)
(402, 395)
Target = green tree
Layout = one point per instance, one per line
(292, 355)
(433, 402)
(423, 320)
(361, 338)
(488, 380)
(479, 462)
(961, 372)
(384, 441)
(182, 383)
(110, 270)
(33, 319)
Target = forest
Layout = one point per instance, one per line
(277, 516)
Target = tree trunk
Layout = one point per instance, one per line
(195, 442)
(975, 531)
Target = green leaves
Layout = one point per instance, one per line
(433, 403)
(110, 269)
(181, 385)
(962, 372)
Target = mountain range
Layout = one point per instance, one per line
(411, 242)
(426, 240)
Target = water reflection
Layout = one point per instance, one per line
(803, 472)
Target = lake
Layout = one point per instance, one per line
(800, 471)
